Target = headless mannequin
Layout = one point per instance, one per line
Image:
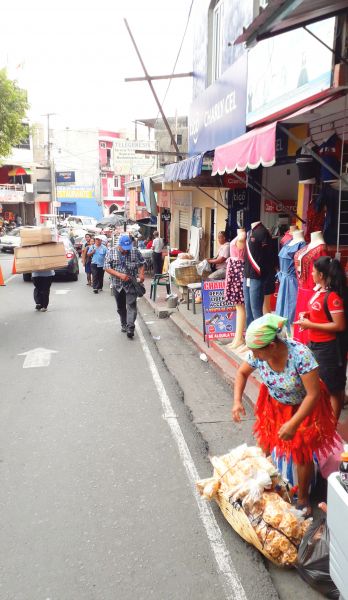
(240, 308)
(293, 228)
(297, 236)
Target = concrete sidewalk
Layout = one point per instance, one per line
(219, 354)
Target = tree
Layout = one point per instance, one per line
(13, 107)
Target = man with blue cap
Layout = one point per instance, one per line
(122, 263)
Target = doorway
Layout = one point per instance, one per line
(183, 239)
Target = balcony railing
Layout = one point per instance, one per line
(13, 187)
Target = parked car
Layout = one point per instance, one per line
(76, 221)
(11, 240)
(71, 271)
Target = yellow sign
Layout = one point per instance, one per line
(75, 192)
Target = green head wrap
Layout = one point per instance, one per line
(263, 331)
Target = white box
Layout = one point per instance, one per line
(337, 520)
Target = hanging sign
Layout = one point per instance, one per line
(272, 206)
(219, 317)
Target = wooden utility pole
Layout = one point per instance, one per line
(149, 79)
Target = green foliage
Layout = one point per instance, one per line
(13, 107)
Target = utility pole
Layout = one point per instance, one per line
(51, 164)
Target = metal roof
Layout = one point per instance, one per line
(283, 15)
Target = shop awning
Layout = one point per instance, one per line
(185, 169)
(280, 16)
(257, 147)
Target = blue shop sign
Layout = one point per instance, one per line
(65, 177)
(219, 114)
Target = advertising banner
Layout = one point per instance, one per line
(272, 206)
(218, 114)
(219, 317)
(289, 68)
(127, 162)
(75, 192)
(65, 177)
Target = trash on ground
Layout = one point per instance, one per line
(156, 337)
(203, 357)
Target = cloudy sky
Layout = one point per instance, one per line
(73, 55)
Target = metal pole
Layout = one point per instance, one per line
(148, 78)
(340, 185)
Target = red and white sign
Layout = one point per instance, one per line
(235, 180)
(163, 199)
(272, 206)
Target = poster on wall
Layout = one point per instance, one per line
(219, 317)
(289, 68)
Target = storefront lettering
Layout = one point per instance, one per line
(220, 109)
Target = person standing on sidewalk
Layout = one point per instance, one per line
(157, 247)
(42, 281)
(97, 252)
(122, 263)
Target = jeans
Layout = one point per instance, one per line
(218, 274)
(42, 287)
(126, 302)
(98, 277)
(253, 298)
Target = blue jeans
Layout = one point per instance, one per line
(253, 298)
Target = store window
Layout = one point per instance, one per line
(215, 39)
(117, 182)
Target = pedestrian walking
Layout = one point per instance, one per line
(42, 281)
(157, 247)
(97, 252)
(86, 259)
(123, 263)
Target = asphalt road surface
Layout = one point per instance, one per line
(97, 458)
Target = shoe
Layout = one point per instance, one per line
(95, 291)
(124, 328)
(130, 334)
(38, 307)
(43, 309)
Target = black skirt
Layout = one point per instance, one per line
(331, 370)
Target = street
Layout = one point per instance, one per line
(95, 498)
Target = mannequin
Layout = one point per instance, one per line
(304, 259)
(258, 258)
(288, 289)
(288, 235)
(234, 285)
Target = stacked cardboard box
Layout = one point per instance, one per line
(40, 250)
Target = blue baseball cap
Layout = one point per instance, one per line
(125, 242)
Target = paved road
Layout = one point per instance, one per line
(6, 261)
(95, 501)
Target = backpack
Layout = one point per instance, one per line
(341, 336)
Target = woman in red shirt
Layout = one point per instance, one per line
(324, 320)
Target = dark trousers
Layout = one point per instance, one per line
(42, 287)
(98, 277)
(126, 307)
(157, 263)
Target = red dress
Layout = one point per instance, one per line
(304, 260)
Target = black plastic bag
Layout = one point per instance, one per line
(314, 559)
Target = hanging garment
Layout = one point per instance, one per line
(330, 151)
(288, 288)
(235, 274)
(304, 260)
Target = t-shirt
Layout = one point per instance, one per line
(224, 251)
(259, 253)
(157, 245)
(317, 314)
(287, 386)
(99, 255)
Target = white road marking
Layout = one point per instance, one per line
(37, 357)
(61, 292)
(232, 585)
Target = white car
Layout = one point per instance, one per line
(11, 240)
(77, 222)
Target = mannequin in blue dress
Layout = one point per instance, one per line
(287, 293)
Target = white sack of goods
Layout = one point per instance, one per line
(256, 502)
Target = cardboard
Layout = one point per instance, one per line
(40, 258)
(38, 235)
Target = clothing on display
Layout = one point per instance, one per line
(330, 151)
(315, 219)
(286, 238)
(288, 288)
(308, 167)
(327, 203)
(258, 252)
(304, 260)
(235, 274)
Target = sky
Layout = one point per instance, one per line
(73, 55)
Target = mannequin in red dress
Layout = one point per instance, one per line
(304, 260)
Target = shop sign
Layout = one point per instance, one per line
(218, 115)
(288, 69)
(219, 316)
(75, 192)
(272, 206)
(182, 199)
(230, 180)
(65, 177)
(166, 216)
(127, 162)
(163, 199)
(11, 196)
